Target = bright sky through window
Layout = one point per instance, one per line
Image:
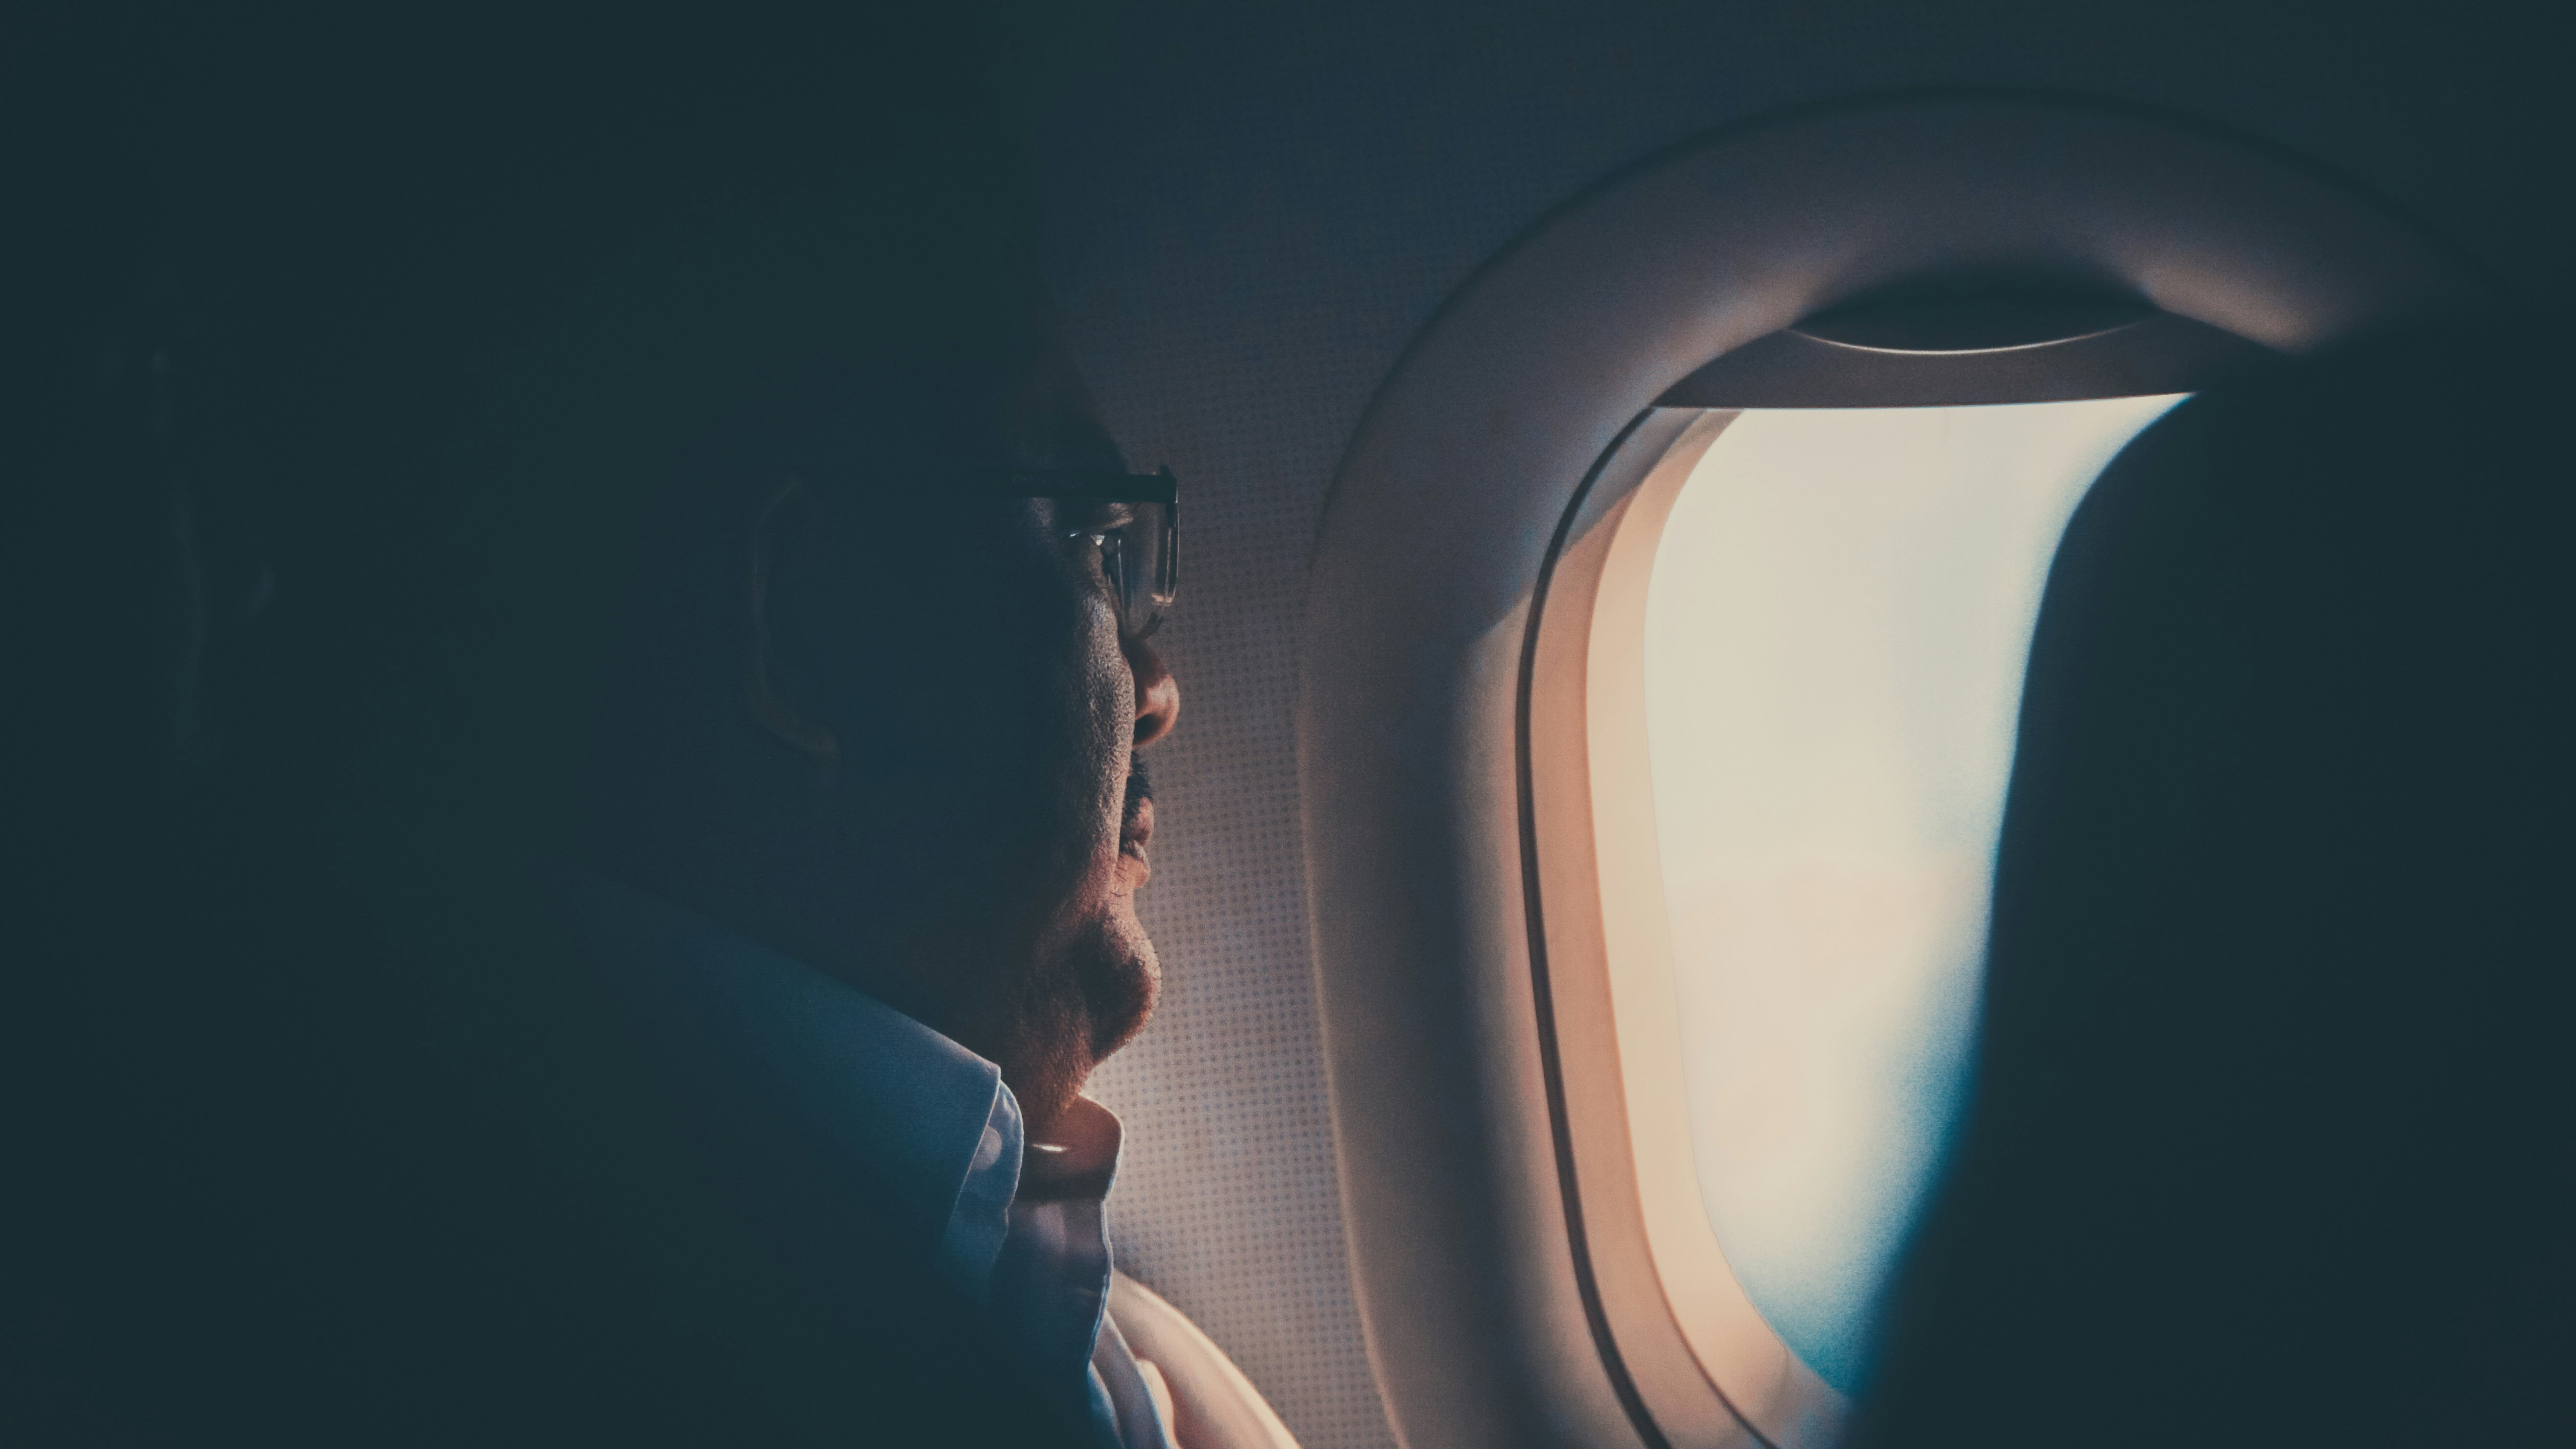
(1836, 628)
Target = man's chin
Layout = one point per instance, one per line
(1095, 991)
(1120, 985)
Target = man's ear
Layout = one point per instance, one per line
(781, 535)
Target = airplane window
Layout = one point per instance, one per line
(1661, 667)
(1836, 622)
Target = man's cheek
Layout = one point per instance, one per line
(1098, 719)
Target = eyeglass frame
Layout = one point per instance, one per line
(1141, 608)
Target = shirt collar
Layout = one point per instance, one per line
(918, 1122)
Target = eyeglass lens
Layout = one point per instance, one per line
(1139, 563)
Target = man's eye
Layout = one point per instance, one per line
(1095, 547)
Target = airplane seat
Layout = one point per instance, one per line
(1206, 1400)
(2269, 1140)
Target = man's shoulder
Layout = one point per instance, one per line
(795, 1294)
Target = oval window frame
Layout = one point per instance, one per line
(1499, 1251)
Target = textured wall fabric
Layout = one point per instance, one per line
(1252, 210)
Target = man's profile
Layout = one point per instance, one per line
(766, 823)
(883, 703)
(876, 730)
(699, 712)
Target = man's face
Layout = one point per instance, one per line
(965, 655)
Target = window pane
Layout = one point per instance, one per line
(1836, 627)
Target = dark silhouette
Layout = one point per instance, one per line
(2271, 1136)
(280, 1169)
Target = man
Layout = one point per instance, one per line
(785, 1009)
(774, 818)
(867, 795)
(748, 908)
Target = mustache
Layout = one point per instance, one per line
(1140, 788)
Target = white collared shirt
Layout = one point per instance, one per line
(1019, 1228)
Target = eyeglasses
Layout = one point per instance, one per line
(1139, 551)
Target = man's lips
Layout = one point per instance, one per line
(1138, 829)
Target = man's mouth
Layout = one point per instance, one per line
(1137, 825)
(1139, 828)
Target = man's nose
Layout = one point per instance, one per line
(1158, 699)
